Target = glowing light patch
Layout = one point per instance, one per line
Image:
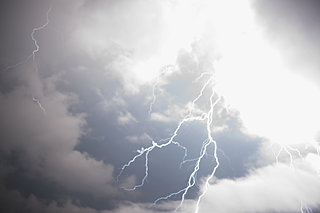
(273, 102)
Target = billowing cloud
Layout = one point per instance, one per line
(42, 143)
(113, 78)
(275, 188)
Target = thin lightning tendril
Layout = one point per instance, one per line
(201, 76)
(206, 116)
(164, 70)
(289, 150)
(202, 153)
(186, 154)
(34, 52)
(35, 42)
(209, 122)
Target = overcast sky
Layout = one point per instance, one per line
(87, 85)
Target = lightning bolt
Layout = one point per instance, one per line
(190, 117)
(184, 160)
(34, 52)
(35, 42)
(163, 71)
(209, 122)
(289, 150)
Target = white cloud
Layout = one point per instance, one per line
(141, 36)
(156, 116)
(275, 188)
(143, 138)
(173, 113)
(219, 129)
(125, 118)
(108, 104)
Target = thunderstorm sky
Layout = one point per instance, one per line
(98, 97)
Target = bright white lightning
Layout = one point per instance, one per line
(205, 116)
(146, 151)
(163, 72)
(289, 150)
(286, 149)
(186, 154)
(209, 122)
(253, 79)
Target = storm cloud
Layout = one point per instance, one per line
(73, 116)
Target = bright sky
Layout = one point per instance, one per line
(273, 101)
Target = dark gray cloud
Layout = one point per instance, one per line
(96, 102)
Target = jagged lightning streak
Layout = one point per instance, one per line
(34, 52)
(208, 116)
(37, 48)
(192, 177)
(35, 42)
(209, 122)
(184, 160)
(146, 152)
(187, 118)
(230, 40)
(163, 71)
(285, 149)
(289, 149)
